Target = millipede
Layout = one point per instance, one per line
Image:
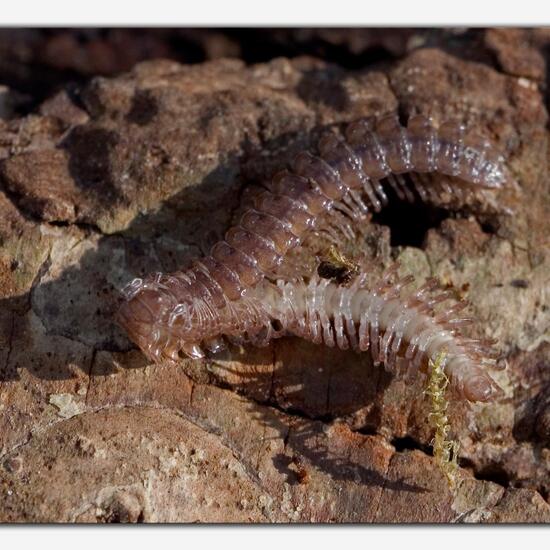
(234, 292)
(402, 332)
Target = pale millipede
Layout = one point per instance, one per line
(184, 311)
(402, 332)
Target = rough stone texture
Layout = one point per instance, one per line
(517, 52)
(141, 172)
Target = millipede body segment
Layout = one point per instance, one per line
(218, 295)
(404, 333)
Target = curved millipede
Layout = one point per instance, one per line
(402, 332)
(187, 310)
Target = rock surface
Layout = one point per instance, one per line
(140, 173)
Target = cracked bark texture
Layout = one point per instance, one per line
(141, 171)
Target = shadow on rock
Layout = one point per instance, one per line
(68, 313)
(308, 443)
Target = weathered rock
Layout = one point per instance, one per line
(517, 52)
(139, 174)
(521, 506)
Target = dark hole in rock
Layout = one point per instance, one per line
(407, 443)
(544, 493)
(489, 227)
(494, 473)
(368, 429)
(465, 463)
(409, 222)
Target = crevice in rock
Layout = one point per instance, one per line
(409, 222)
(90, 375)
(489, 226)
(4, 372)
(494, 473)
(407, 443)
(17, 201)
(85, 226)
(367, 430)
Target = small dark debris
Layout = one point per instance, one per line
(339, 274)
(519, 283)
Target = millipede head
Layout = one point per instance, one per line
(158, 322)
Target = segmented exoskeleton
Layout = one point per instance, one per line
(166, 314)
(402, 332)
